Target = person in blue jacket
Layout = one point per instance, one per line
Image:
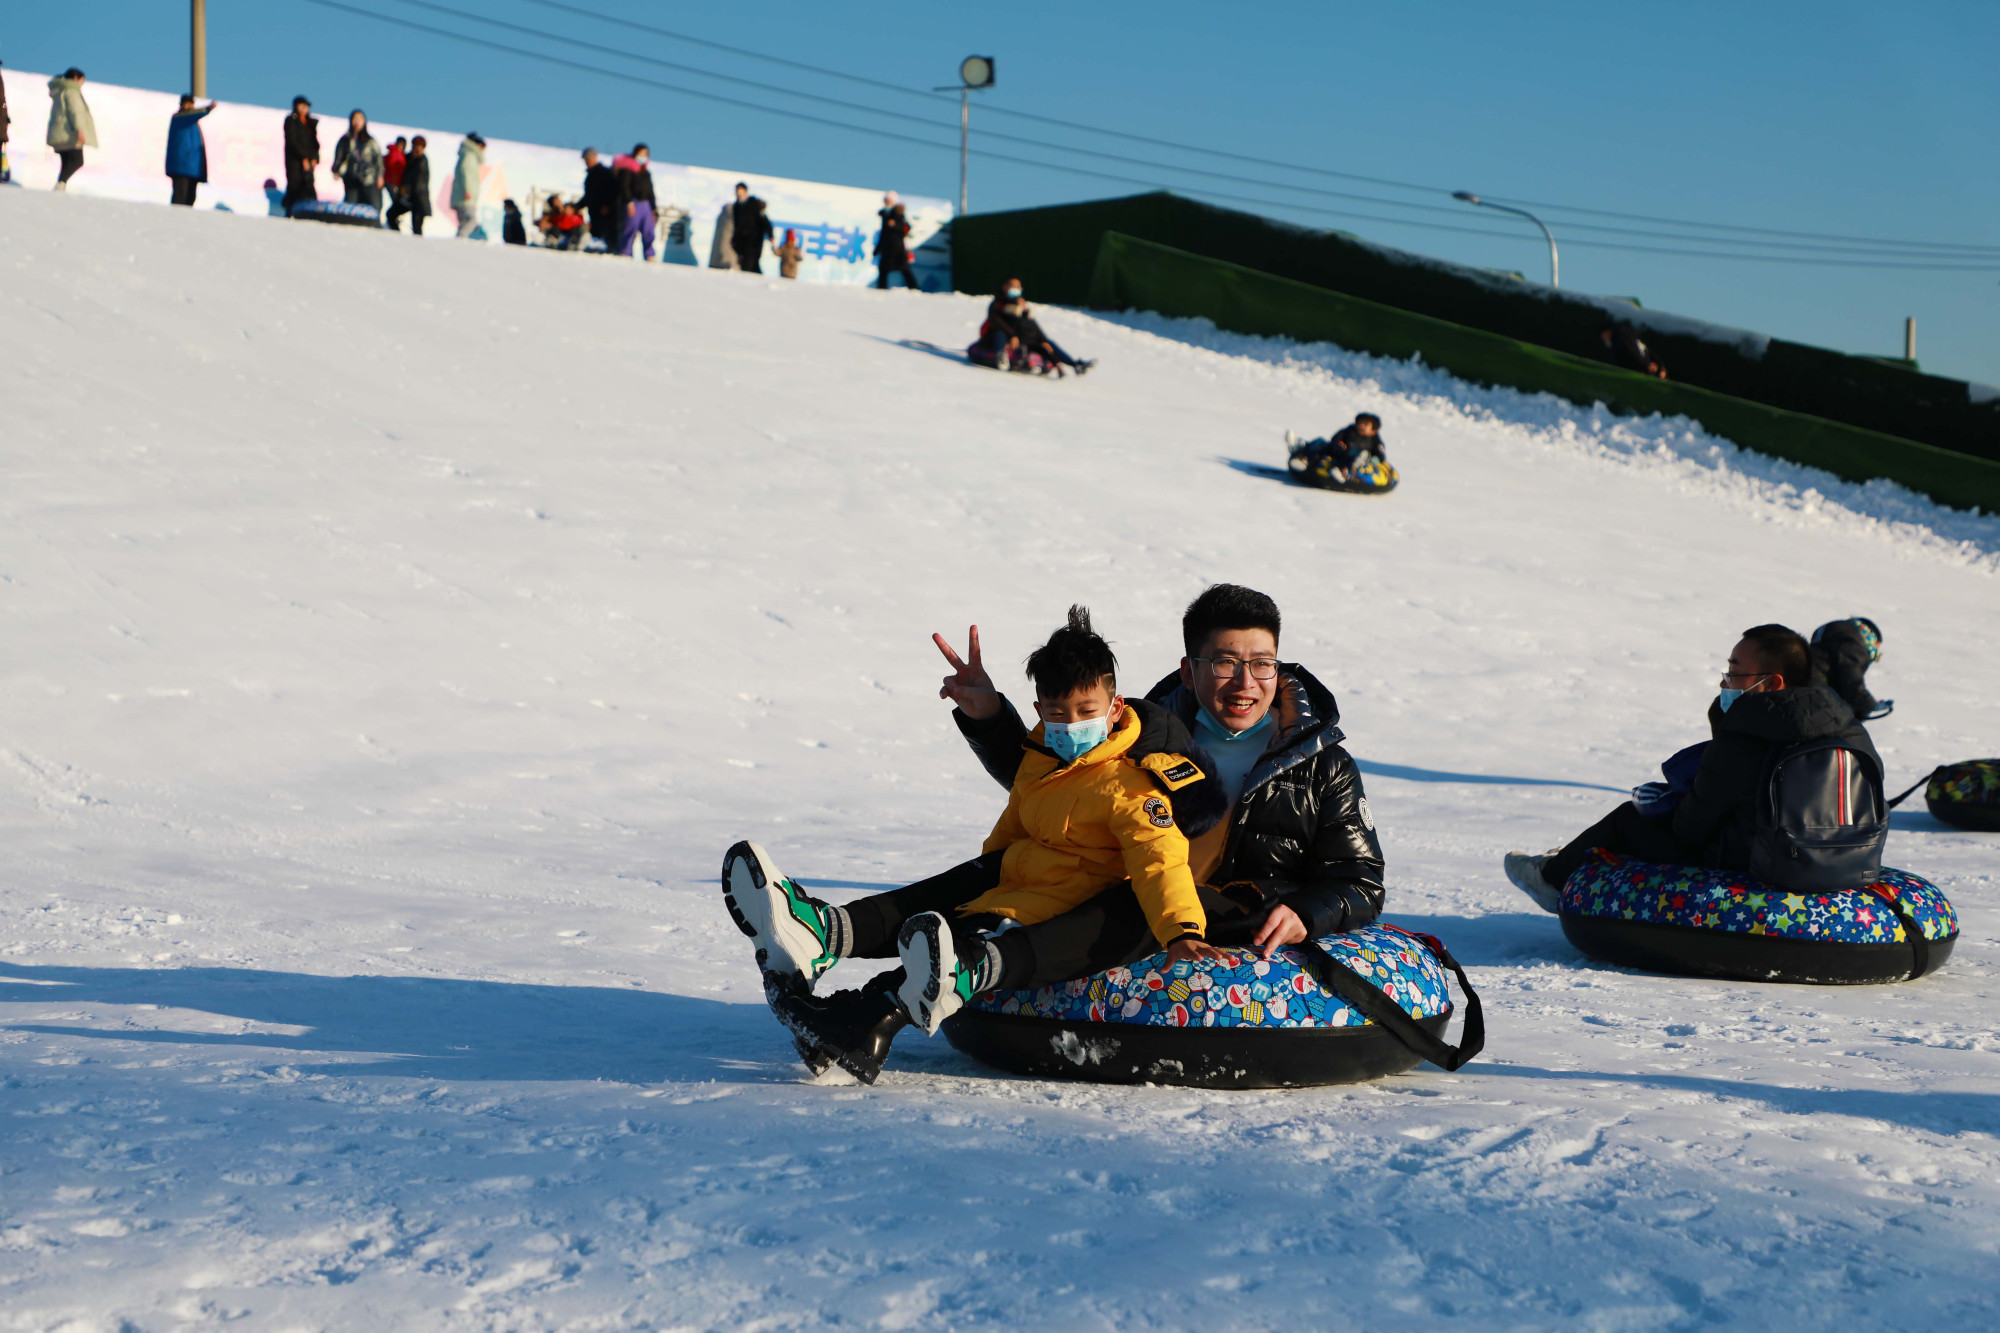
(187, 151)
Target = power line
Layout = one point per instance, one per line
(1030, 162)
(670, 34)
(1121, 159)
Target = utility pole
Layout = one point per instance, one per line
(198, 49)
(1910, 338)
(974, 72)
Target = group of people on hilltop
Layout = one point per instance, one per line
(617, 207)
(1221, 810)
(370, 174)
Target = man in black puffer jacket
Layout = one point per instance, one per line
(1297, 857)
(1765, 706)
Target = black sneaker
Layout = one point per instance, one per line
(853, 1027)
(1082, 366)
(779, 990)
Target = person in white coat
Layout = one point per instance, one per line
(71, 129)
(465, 183)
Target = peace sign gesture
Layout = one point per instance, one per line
(968, 685)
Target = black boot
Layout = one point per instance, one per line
(780, 989)
(852, 1027)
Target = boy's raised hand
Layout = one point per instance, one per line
(968, 685)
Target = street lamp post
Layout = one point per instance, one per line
(198, 48)
(1555, 272)
(974, 72)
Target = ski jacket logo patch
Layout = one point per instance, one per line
(1157, 811)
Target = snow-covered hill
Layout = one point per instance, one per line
(396, 635)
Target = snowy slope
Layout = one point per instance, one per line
(396, 635)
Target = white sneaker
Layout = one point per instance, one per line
(1291, 437)
(936, 982)
(1524, 871)
(788, 925)
(62, 187)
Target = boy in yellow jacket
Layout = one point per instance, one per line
(1108, 791)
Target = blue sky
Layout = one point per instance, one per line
(1858, 120)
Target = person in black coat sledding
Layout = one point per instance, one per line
(1332, 459)
(1705, 813)
(1010, 339)
(1295, 858)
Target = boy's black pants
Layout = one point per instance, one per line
(1108, 930)
(1624, 831)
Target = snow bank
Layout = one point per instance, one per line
(396, 636)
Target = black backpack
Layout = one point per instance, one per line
(1820, 821)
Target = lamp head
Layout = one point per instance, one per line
(1467, 195)
(976, 72)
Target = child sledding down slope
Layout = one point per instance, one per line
(1108, 792)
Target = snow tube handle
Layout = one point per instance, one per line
(1378, 1008)
(1922, 781)
(1920, 943)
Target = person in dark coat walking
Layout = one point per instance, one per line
(600, 199)
(892, 245)
(750, 230)
(635, 199)
(415, 196)
(1708, 819)
(301, 153)
(187, 151)
(1295, 858)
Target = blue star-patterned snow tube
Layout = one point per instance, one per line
(1244, 1023)
(1723, 923)
(326, 210)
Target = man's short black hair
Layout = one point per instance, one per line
(301, 100)
(639, 148)
(72, 73)
(1784, 651)
(1370, 418)
(1226, 606)
(1073, 659)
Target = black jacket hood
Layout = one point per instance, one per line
(1783, 717)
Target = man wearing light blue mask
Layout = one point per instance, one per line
(1704, 814)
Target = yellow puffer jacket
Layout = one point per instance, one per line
(1072, 830)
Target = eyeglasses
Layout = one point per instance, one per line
(1228, 668)
(1728, 676)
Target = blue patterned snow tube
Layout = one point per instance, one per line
(1723, 923)
(1244, 1023)
(325, 210)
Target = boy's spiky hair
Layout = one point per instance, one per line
(1075, 658)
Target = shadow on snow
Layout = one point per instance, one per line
(432, 1027)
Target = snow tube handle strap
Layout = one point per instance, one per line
(1378, 1008)
(1920, 944)
(1922, 781)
